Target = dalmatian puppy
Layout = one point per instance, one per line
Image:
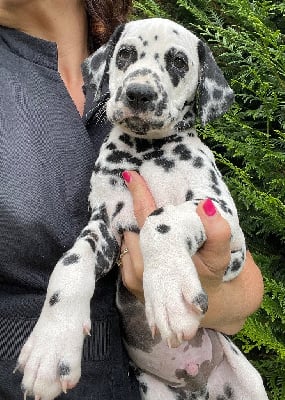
(160, 77)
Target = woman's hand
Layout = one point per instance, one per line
(230, 303)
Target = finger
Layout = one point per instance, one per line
(134, 255)
(143, 202)
(132, 265)
(215, 253)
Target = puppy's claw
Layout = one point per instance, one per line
(86, 330)
(25, 395)
(64, 386)
(153, 331)
(16, 368)
(180, 337)
(169, 343)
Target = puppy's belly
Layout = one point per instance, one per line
(189, 365)
(186, 365)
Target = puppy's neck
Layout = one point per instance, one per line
(141, 144)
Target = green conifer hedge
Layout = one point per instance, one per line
(248, 41)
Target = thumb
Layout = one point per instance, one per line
(215, 252)
(143, 202)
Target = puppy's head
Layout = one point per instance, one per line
(159, 75)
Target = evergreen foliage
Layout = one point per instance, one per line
(247, 38)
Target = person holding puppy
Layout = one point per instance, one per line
(48, 148)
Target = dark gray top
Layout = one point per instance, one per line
(46, 156)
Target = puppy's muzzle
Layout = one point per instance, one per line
(140, 97)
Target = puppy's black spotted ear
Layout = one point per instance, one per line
(95, 69)
(214, 96)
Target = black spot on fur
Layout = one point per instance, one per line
(143, 145)
(217, 94)
(143, 387)
(228, 392)
(96, 167)
(100, 214)
(183, 152)
(200, 239)
(165, 164)
(163, 228)
(102, 263)
(90, 238)
(187, 121)
(113, 172)
(184, 394)
(216, 189)
(55, 298)
(157, 153)
(236, 265)
(201, 300)
(70, 259)
(119, 93)
(214, 177)
(142, 55)
(119, 156)
(198, 162)
(158, 211)
(189, 195)
(111, 146)
(225, 207)
(92, 243)
(113, 181)
(88, 232)
(111, 248)
(189, 244)
(133, 228)
(126, 139)
(119, 207)
(64, 369)
(105, 234)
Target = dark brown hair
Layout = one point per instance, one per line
(104, 16)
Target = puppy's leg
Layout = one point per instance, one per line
(51, 357)
(174, 299)
(235, 377)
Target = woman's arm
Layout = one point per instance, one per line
(230, 303)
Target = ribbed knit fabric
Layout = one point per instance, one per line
(46, 156)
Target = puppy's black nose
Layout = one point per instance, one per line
(140, 97)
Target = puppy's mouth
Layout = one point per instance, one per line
(140, 126)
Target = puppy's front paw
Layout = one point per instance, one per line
(174, 302)
(51, 358)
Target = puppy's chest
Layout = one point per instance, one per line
(176, 168)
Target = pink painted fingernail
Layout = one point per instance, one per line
(209, 208)
(126, 176)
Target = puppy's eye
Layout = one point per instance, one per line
(180, 62)
(126, 56)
